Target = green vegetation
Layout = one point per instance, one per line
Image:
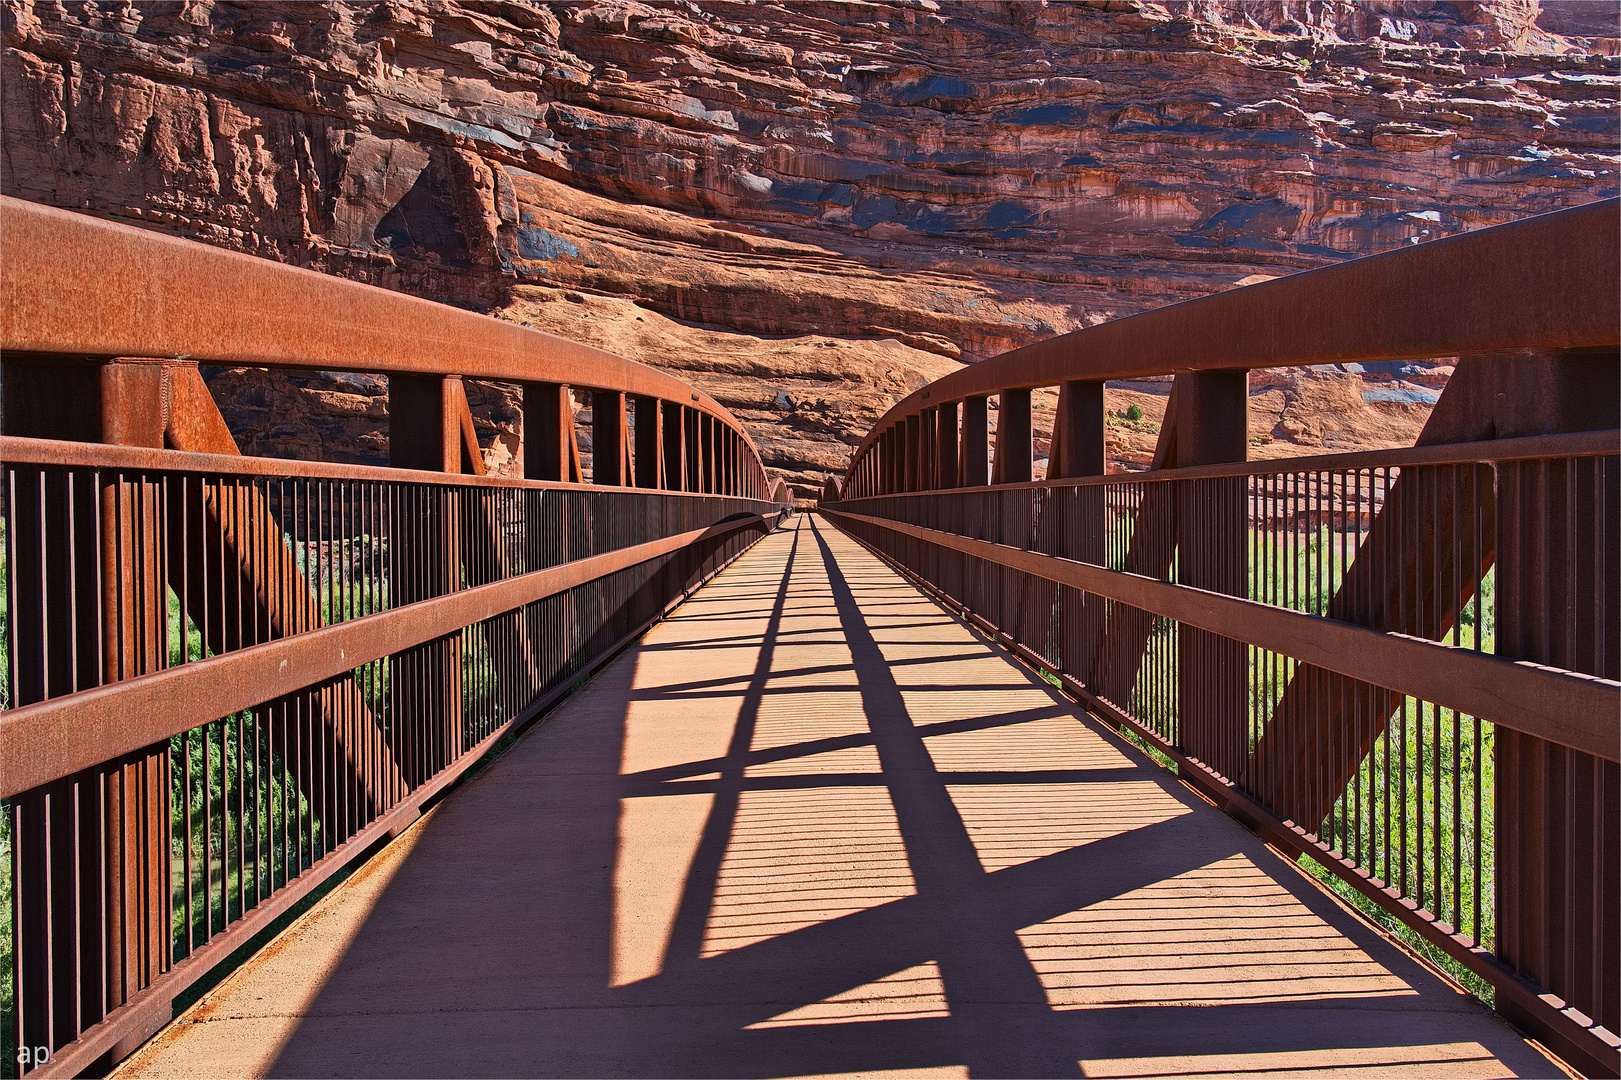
(1471, 982)
(349, 577)
(1418, 813)
(1418, 808)
(244, 809)
(8, 1040)
(1134, 418)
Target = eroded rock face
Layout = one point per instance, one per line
(923, 183)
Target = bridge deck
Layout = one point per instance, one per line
(815, 825)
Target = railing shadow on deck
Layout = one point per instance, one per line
(763, 868)
(229, 678)
(1403, 664)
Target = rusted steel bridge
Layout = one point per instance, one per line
(867, 792)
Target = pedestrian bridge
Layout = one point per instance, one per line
(856, 838)
(627, 768)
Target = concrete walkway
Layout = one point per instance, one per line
(815, 825)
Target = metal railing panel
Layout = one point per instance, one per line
(223, 685)
(227, 677)
(1343, 675)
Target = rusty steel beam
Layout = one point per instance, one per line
(1528, 448)
(1122, 643)
(127, 1026)
(649, 443)
(1078, 432)
(608, 440)
(1397, 582)
(549, 449)
(1572, 709)
(472, 456)
(74, 286)
(1463, 294)
(43, 742)
(948, 446)
(675, 447)
(266, 576)
(34, 451)
(1211, 527)
(1014, 448)
(976, 468)
(1547, 1016)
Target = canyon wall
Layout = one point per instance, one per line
(809, 208)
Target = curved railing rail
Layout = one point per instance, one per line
(227, 678)
(1403, 664)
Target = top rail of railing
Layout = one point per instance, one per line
(1403, 664)
(242, 674)
(1460, 295)
(74, 285)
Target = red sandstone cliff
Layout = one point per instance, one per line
(809, 208)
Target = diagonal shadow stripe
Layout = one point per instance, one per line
(686, 936)
(486, 960)
(842, 742)
(979, 961)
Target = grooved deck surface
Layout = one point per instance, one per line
(815, 825)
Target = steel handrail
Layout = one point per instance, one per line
(45, 741)
(1431, 300)
(1566, 707)
(22, 450)
(1528, 448)
(73, 286)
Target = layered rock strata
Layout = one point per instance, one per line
(815, 203)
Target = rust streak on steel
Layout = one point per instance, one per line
(46, 741)
(1572, 709)
(1463, 294)
(78, 286)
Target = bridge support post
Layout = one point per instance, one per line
(674, 464)
(731, 461)
(911, 441)
(928, 442)
(608, 439)
(550, 449)
(92, 890)
(947, 449)
(1078, 432)
(1212, 428)
(649, 443)
(1558, 857)
(134, 601)
(976, 421)
(706, 452)
(897, 446)
(714, 454)
(425, 423)
(694, 451)
(1013, 444)
(425, 559)
(723, 460)
(1078, 450)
